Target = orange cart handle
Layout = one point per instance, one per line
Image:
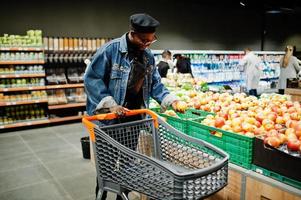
(110, 116)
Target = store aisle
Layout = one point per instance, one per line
(45, 164)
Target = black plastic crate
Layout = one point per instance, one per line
(276, 160)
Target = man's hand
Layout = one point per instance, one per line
(179, 106)
(119, 110)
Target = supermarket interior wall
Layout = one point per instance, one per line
(184, 25)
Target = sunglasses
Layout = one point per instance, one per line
(146, 42)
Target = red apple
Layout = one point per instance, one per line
(197, 105)
(290, 124)
(293, 145)
(289, 131)
(273, 141)
(282, 138)
(217, 109)
(223, 115)
(289, 104)
(295, 116)
(280, 120)
(272, 116)
(260, 117)
(219, 122)
(298, 129)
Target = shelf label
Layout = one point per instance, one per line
(1, 127)
(13, 103)
(28, 123)
(5, 89)
(37, 101)
(8, 104)
(3, 76)
(25, 49)
(17, 75)
(30, 88)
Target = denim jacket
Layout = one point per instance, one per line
(107, 75)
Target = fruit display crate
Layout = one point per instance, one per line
(239, 147)
(181, 122)
(276, 161)
(276, 176)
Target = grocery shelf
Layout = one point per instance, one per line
(21, 49)
(2, 104)
(22, 124)
(63, 119)
(69, 105)
(269, 79)
(215, 52)
(77, 85)
(22, 89)
(223, 82)
(22, 75)
(22, 62)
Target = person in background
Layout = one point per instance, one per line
(289, 68)
(295, 54)
(165, 64)
(250, 66)
(122, 74)
(183, 64)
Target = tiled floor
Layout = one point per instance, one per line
(46, 164)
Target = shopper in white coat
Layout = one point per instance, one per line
(289, 68)
(250, 66)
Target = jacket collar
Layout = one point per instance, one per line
(123, 48)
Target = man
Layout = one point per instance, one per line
(183, 64)
(122, 74)
(165, 64)
(250, 65)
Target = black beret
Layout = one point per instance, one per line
(143, 23)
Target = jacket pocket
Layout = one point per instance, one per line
(115, 83)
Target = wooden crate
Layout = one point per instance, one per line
(257, 190)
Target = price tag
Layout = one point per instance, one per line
(1, 127)
(30, 88)
(5, 89)
(17, 75)
(8, 104)
(14, 103)
(3, 76)
(37, 101)
(28, 123)
(25, 49)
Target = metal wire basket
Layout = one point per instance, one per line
(151, 157)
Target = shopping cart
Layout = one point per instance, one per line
(151, 157)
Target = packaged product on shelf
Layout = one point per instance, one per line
(85, 44)
(71, 45)
(71, 95)
(55, 44)
(94, 47)
(60, 76)
(45, 42)
(80, 44)
(75, 44)
(32, 39)
(73, 76)
(52, 100)
(23, 113)
(51, 76)
(66, 46)
(61, 96)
